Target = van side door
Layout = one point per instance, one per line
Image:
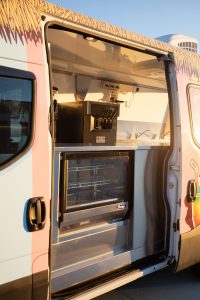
(24, 181)
(189, 223)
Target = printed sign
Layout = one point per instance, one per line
(100, 139)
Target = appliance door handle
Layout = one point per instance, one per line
(36, 214)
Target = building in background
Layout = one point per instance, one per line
(186, 42)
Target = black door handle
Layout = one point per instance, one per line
(36, 214)
(192, 190)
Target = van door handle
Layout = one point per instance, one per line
(192, 190)
(36, 214)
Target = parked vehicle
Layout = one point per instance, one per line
(99, 154)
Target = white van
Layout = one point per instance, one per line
(99, 154)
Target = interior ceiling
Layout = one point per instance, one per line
(104, 59)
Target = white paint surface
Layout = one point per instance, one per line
(15, 190)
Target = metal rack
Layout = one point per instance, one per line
(93, 180)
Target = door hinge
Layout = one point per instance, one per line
(171, 260)
(175, 168)
(168, 57)
(176, 225)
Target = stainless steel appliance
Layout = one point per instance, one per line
(86, 122)
(106, 195)
(93, 226)
(94, 186)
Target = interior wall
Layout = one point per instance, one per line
(65, 85)
(82, 70)
(143, 112)
(136, 113)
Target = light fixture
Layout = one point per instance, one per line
(89, 38)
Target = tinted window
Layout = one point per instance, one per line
(15, 116)
(194, 107)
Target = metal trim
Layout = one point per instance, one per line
(190, 111)
(95, 212)
(117, 282)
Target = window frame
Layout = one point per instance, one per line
(190, 112)
(8, 72)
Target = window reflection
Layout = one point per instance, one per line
(15, 116)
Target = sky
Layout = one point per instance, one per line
(152, 18)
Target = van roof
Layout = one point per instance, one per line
(28, 19)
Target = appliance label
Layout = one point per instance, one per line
(100, 139)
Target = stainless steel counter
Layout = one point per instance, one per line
(119, 146)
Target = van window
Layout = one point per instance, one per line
(15, 116)
(194, 109)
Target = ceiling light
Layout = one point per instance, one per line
(89, 38)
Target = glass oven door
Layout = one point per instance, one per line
(94, 184)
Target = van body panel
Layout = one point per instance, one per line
(26, 257)
(17, 289)
(34, 287)
(189, 215)
(16, 264)
(189, 245)
(26, 253)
